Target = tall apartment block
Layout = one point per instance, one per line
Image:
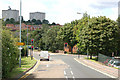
(8, 14)
(37, 16)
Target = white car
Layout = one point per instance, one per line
(44, 55)
(114, 63)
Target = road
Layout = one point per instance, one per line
(64, 66)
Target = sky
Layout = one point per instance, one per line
(64, 11)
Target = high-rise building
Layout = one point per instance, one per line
(119, 8)
(37, 16)
(8, 14)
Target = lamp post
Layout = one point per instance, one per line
(87, 28)
(20, 37)
(27, 40)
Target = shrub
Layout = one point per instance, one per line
(9, 53)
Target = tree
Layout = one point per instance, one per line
(33, 21)
(12, 21)
(38, 36)
(9, 53)
(51, 41)
(53, 23)
(28, 22)
(66, 34)
(7, 21)
(99, 37)
(45, 22)
(80, 36)
(38, 22)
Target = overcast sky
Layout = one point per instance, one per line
(64, 11)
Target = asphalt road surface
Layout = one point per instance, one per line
(64, 66)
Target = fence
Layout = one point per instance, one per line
(104, 59)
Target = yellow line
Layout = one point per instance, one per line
(29, 72)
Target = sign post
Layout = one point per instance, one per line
(32, 41)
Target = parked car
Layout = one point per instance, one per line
(44, 55)
(114, 63)
(36, 48)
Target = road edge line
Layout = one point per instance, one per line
(31, 70)
(95, 69)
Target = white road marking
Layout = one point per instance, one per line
(68, 65)
(64, 73)
(71, 72)
(47, 65)
(95, 69)
(66, 77)
(73, 78)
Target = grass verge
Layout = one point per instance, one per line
(26, 63)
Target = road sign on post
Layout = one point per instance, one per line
(20, 43)
(32, 41)
(31, 52)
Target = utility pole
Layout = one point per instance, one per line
(87, 28)
(20, 37)
(88, 45)
(27, 40)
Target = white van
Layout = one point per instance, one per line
(44, 55)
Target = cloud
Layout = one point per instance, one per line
(63, 11)
(102, 4)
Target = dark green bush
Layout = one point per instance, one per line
(10, 53)
(24, 51)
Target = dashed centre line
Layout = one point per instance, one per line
(64, 73)
(71, 72)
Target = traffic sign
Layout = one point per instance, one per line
(20, 43)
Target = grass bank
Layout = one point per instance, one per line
(26, 63)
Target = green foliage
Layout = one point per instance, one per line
(9, 53)
(24, 51)
(33, 20)
(45, 22)
(100, 36)
(66, 34)
(46, 38)
(51, 41)
(10, 21)
(53, 23)
(37, 36)
(38, 22)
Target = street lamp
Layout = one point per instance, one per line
(27, 40)
(88, 27)
(79, 13)
(20, 36)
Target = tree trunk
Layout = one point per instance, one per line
(90, 55)
(71, 49)
(97, 56)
